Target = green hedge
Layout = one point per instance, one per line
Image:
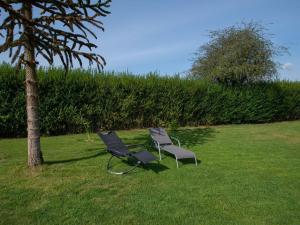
(83, 99)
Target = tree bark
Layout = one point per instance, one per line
(32, 102)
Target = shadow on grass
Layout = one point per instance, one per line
(50, 162)
(189, 161)
(194, 136)
(188, 137)
(126, 163)
(156, 167)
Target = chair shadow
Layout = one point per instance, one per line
(189, 161)
(188, 137)
(51, 162)
(156, 167)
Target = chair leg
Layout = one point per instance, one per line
(177, 163)
(109, 167)
(196, 160)
(159, 152)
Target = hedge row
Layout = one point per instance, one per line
(85, 100)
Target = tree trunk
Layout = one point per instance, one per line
(32, 105)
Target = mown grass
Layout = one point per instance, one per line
(247, 174)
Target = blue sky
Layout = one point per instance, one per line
(162, 35)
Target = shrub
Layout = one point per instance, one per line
(238, 55)
(123, 101)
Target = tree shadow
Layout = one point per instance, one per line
(50, 162)
(193, 136)
(188, 137)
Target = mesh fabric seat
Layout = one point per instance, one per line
(162, 141)
(117, 148)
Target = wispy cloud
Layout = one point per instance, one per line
(290, 71)
(287, 66)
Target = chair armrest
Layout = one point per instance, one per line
(176, 139)
(156, 143)
(157, 146)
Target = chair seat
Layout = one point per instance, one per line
(117, 148)
(180, 153)
(144, 156)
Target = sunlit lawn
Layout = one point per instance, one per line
(247, 174)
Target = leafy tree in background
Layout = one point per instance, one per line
(237, 55)
(48, 28)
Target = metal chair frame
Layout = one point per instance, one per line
(109, 167)
(158, 146)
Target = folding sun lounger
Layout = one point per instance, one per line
(118, 149)
(162, 141)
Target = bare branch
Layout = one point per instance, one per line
(78, 17)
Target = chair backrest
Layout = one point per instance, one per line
(160, 135)
(113, 143)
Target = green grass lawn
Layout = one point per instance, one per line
(247, 174)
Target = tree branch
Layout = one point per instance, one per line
(49, 39)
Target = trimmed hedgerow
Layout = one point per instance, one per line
(86, 100)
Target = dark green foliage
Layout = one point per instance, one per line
(84, 100)
(237, 55)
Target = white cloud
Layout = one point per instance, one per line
(287, 66)
(290, 71)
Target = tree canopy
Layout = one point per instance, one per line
(237, 55)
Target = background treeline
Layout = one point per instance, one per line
(84, 100)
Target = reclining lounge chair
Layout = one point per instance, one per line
(162, 141)
(118, 149)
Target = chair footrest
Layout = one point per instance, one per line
(180, 153)
(144, 156)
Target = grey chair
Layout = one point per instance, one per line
(118, 149)
(163, 142)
